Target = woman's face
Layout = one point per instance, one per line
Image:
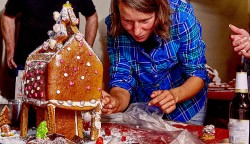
(139, 25)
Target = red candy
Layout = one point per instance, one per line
(99, 140)
(85, 125)
(107, 131)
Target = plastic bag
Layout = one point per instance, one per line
(150, 117)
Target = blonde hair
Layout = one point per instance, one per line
(161, 9)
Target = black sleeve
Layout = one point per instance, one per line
(86, 7)
(13, 7)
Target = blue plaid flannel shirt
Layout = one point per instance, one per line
(167, 66)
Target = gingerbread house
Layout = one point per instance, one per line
(5, 116)
(63, 78)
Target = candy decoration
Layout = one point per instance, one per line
(123, 138)
(99, 140)
(42, 130)
(71, 83)
(107, 131)
(82, 77)
(88, 87)
(88, 64)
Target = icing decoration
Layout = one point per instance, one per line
(78, 57)
(41, 71)
(68, 48)
(52, 43)
(92, 101)
(86, 116)
(90, 53)
(56, 15)
(56, 28)
(71, 83)
(38, 78)
(64, 14)
(82, 103)
(41, 94)
(60, 102)
(65, 75)
(81, 44)
(51, 33)
(88, 87)
(45, 45)
(73, 19)
(69, 102)
(82, 77)
(79, 36)
(75, 69)
(96, 72)
(99, 89)
(61, 61)
(58, 92)
(88, 64)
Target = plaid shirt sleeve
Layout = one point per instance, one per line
(120, 70)
(191, 53)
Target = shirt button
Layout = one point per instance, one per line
(157, 85)
(156, 76)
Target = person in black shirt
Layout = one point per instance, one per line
(36, 19)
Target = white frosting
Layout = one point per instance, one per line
(56, 15)
(52, 43)
(68, 103)
(75, 103)
(76, 126)
(86, 116)
(58, 58)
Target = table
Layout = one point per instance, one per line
(218, 106)
(122, 132)
(155, 136)
(221, 134)
(220, 94)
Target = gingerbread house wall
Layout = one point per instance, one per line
(75, 73)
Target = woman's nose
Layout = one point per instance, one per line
(137, 29)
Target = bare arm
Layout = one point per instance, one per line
(8, 31)
(91, 28)
(167, 99)
(116, 101)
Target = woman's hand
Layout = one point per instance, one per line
(164, 99)
(110, 103)
(240, 41)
